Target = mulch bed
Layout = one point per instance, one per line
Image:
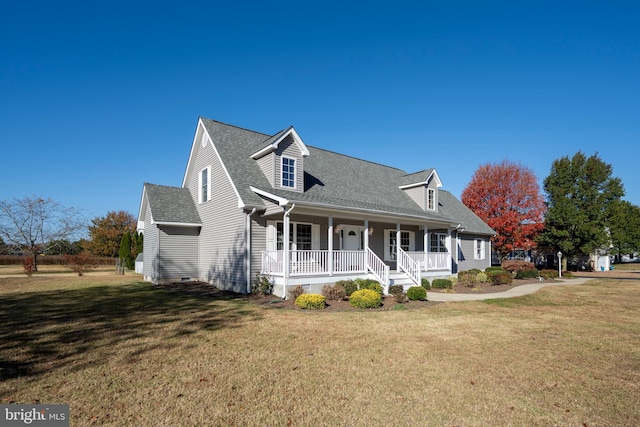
(204, 290)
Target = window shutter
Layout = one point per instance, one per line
(271, 236)
(315, 237)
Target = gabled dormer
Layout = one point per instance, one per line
(423, 187)
(281, 159)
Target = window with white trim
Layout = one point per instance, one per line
(288, 172)
(204, 185)
(407, 243)
(438, 242)
(478, 249)
(300, 236)
(431, 199)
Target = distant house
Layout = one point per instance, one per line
(256, 204)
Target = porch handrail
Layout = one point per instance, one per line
(430, 260)
(377, 267)
(409, 266)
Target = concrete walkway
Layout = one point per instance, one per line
(513, 292)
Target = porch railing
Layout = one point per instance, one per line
(409, 266)
(377, 267)
(314, 262)
(431, 260)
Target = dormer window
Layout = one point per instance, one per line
(288, 172)
(431, 199)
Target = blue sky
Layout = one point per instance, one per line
(98, 98)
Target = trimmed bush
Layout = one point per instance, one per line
(311, 301)
(502, 278)
(491, 269)
(515, 265)
(417, 293)
(454, 280)
(482, 277)
(334, 292)
(374, 285)
(549, 274)
(349, 286)
(365, 298)
(467, 278)
(442, 284)
(295, 292)
(425, 283)
(527, 274)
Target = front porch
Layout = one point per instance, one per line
(304, 248)
(314, 268)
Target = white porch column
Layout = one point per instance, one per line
(330, 244)
(287, 251)
(449, 248)
(366, 234)
(397, 244)
(425, 243)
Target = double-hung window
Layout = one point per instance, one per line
(300, 236)
(438, 242)
(288, 172)
(479, 249)
(431, 199)
(205, 185)
(407, 243)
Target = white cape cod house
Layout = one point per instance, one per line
(253, 204)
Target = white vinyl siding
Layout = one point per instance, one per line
(178, 253)
(222, 254)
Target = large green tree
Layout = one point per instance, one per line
(581, 193)
(624, 228)
(105, 233)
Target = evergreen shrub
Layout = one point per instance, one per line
(417, 293)
(365, 298)
(442, 284)
(311, 301)
(527, 274)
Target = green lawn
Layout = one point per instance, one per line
(122, 352)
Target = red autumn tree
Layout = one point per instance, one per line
(507, 197)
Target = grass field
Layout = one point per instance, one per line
(122, 352)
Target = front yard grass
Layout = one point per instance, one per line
(122, 352)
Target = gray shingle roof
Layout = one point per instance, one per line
(450, 205)
(333, 179)
(171, 204)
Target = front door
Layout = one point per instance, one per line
(351, 239)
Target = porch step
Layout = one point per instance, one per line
(400, 279)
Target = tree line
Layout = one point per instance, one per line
(582, 210)
(37, 226)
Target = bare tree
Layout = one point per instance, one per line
(33, 224)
